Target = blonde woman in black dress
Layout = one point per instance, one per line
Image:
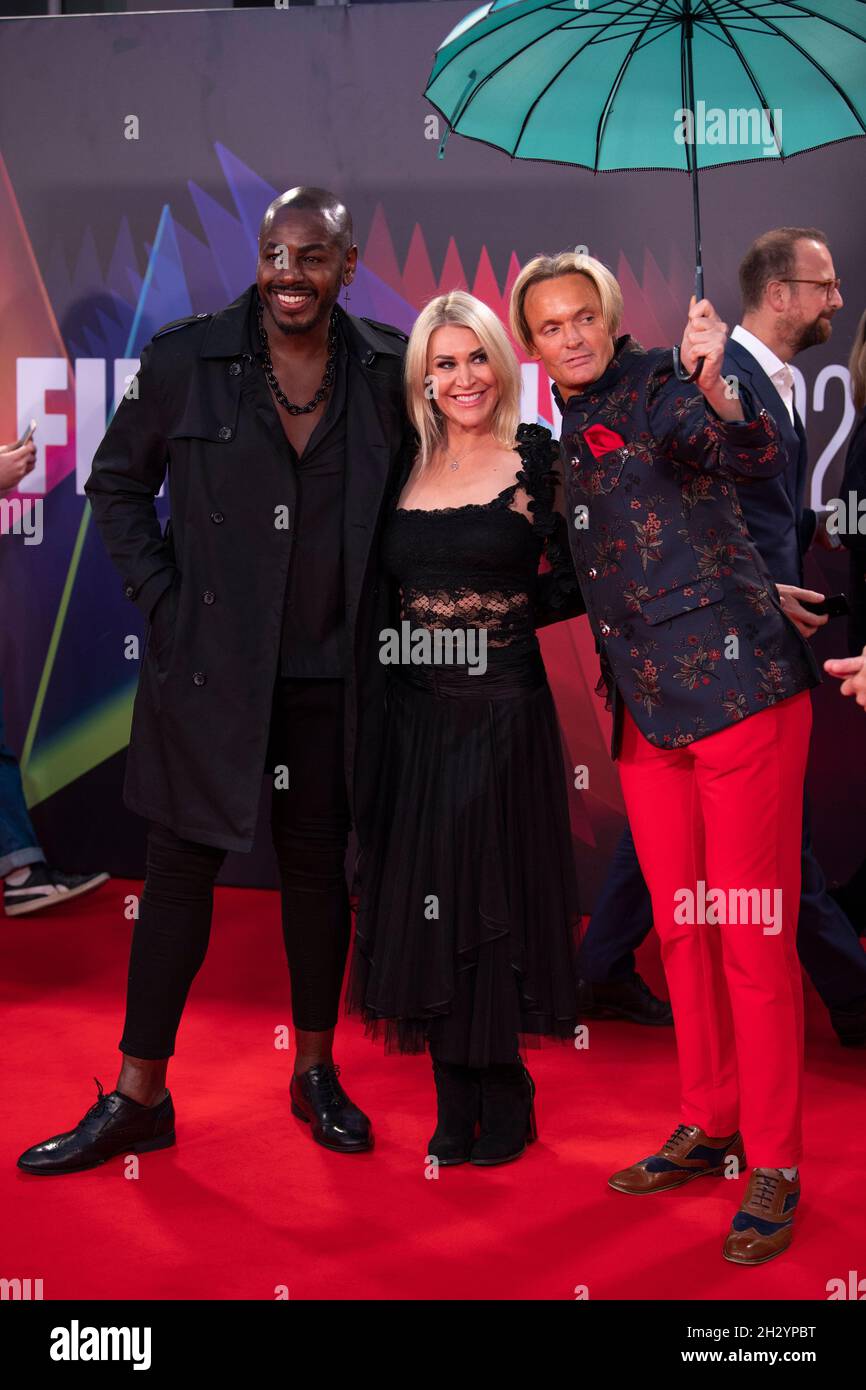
(468, 903)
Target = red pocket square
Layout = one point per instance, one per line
(601, 440)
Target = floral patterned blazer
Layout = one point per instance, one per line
(686, 617)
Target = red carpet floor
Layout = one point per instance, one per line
(246, 1202)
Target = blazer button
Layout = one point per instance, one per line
(208, 596)
(593, 573)
(199, 678)
(217, 518)
(604, 629)
(235, 369)
(225, 433)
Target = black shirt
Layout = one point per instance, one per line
(312, 643)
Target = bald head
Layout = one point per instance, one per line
(318, 201)
(306, 256)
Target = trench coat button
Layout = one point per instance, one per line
(593, 572)
(129, 590)
(604, 629)
(225, 433)
(235, 369)
(217, 518)
(199, 678)
(208, 596)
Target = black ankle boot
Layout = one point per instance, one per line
(458, 1103)
(507, 1114)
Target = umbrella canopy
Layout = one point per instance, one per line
(655, 84)
(606, 86)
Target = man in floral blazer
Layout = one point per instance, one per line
(693, 644)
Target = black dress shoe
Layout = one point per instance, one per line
(458, 1110)
(507, 1114)
(850, 1025)
(113, 1125)
(632, 999)
(319, 1099)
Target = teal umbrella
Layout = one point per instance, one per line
(655, 84)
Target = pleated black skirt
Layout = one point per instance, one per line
(468, 912)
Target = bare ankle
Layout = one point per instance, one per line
(142, 1079)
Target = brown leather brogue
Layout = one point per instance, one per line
(689, 1153)
(764, 1225)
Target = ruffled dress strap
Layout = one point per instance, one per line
(558, 593)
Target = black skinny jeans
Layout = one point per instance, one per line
(309, 827)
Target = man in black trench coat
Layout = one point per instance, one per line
(280, 422)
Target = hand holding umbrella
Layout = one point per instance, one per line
(702, 354)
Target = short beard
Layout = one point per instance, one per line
(805, 335)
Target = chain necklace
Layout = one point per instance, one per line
(327, 379)
(456, 462)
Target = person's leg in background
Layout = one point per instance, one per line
(29, 885)
(310, 828)
(610, 986)
(830, 949)
(169, 944)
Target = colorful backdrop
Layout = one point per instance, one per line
(131, 188)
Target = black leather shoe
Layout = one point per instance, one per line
(632, 999)
(507, 1115)
(113, 1125)
(319, 1100)
(458, 1110)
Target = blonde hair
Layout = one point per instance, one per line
(464, 311)
(551, 268)
(857, 364)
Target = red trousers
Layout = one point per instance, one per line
(725, 813)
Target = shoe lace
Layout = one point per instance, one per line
(99, 1104)
(765, 1189)
(331, 1088)
(679, 1133)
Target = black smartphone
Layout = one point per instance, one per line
(835, 606)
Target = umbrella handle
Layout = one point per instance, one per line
(680, 371)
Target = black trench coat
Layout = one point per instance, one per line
(202, 711)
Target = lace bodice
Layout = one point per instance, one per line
(477, 565)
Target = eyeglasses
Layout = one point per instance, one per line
(828, 286)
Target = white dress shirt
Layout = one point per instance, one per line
(778, 371)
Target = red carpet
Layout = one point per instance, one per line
(246, 1202)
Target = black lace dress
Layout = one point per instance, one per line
(468, 908)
